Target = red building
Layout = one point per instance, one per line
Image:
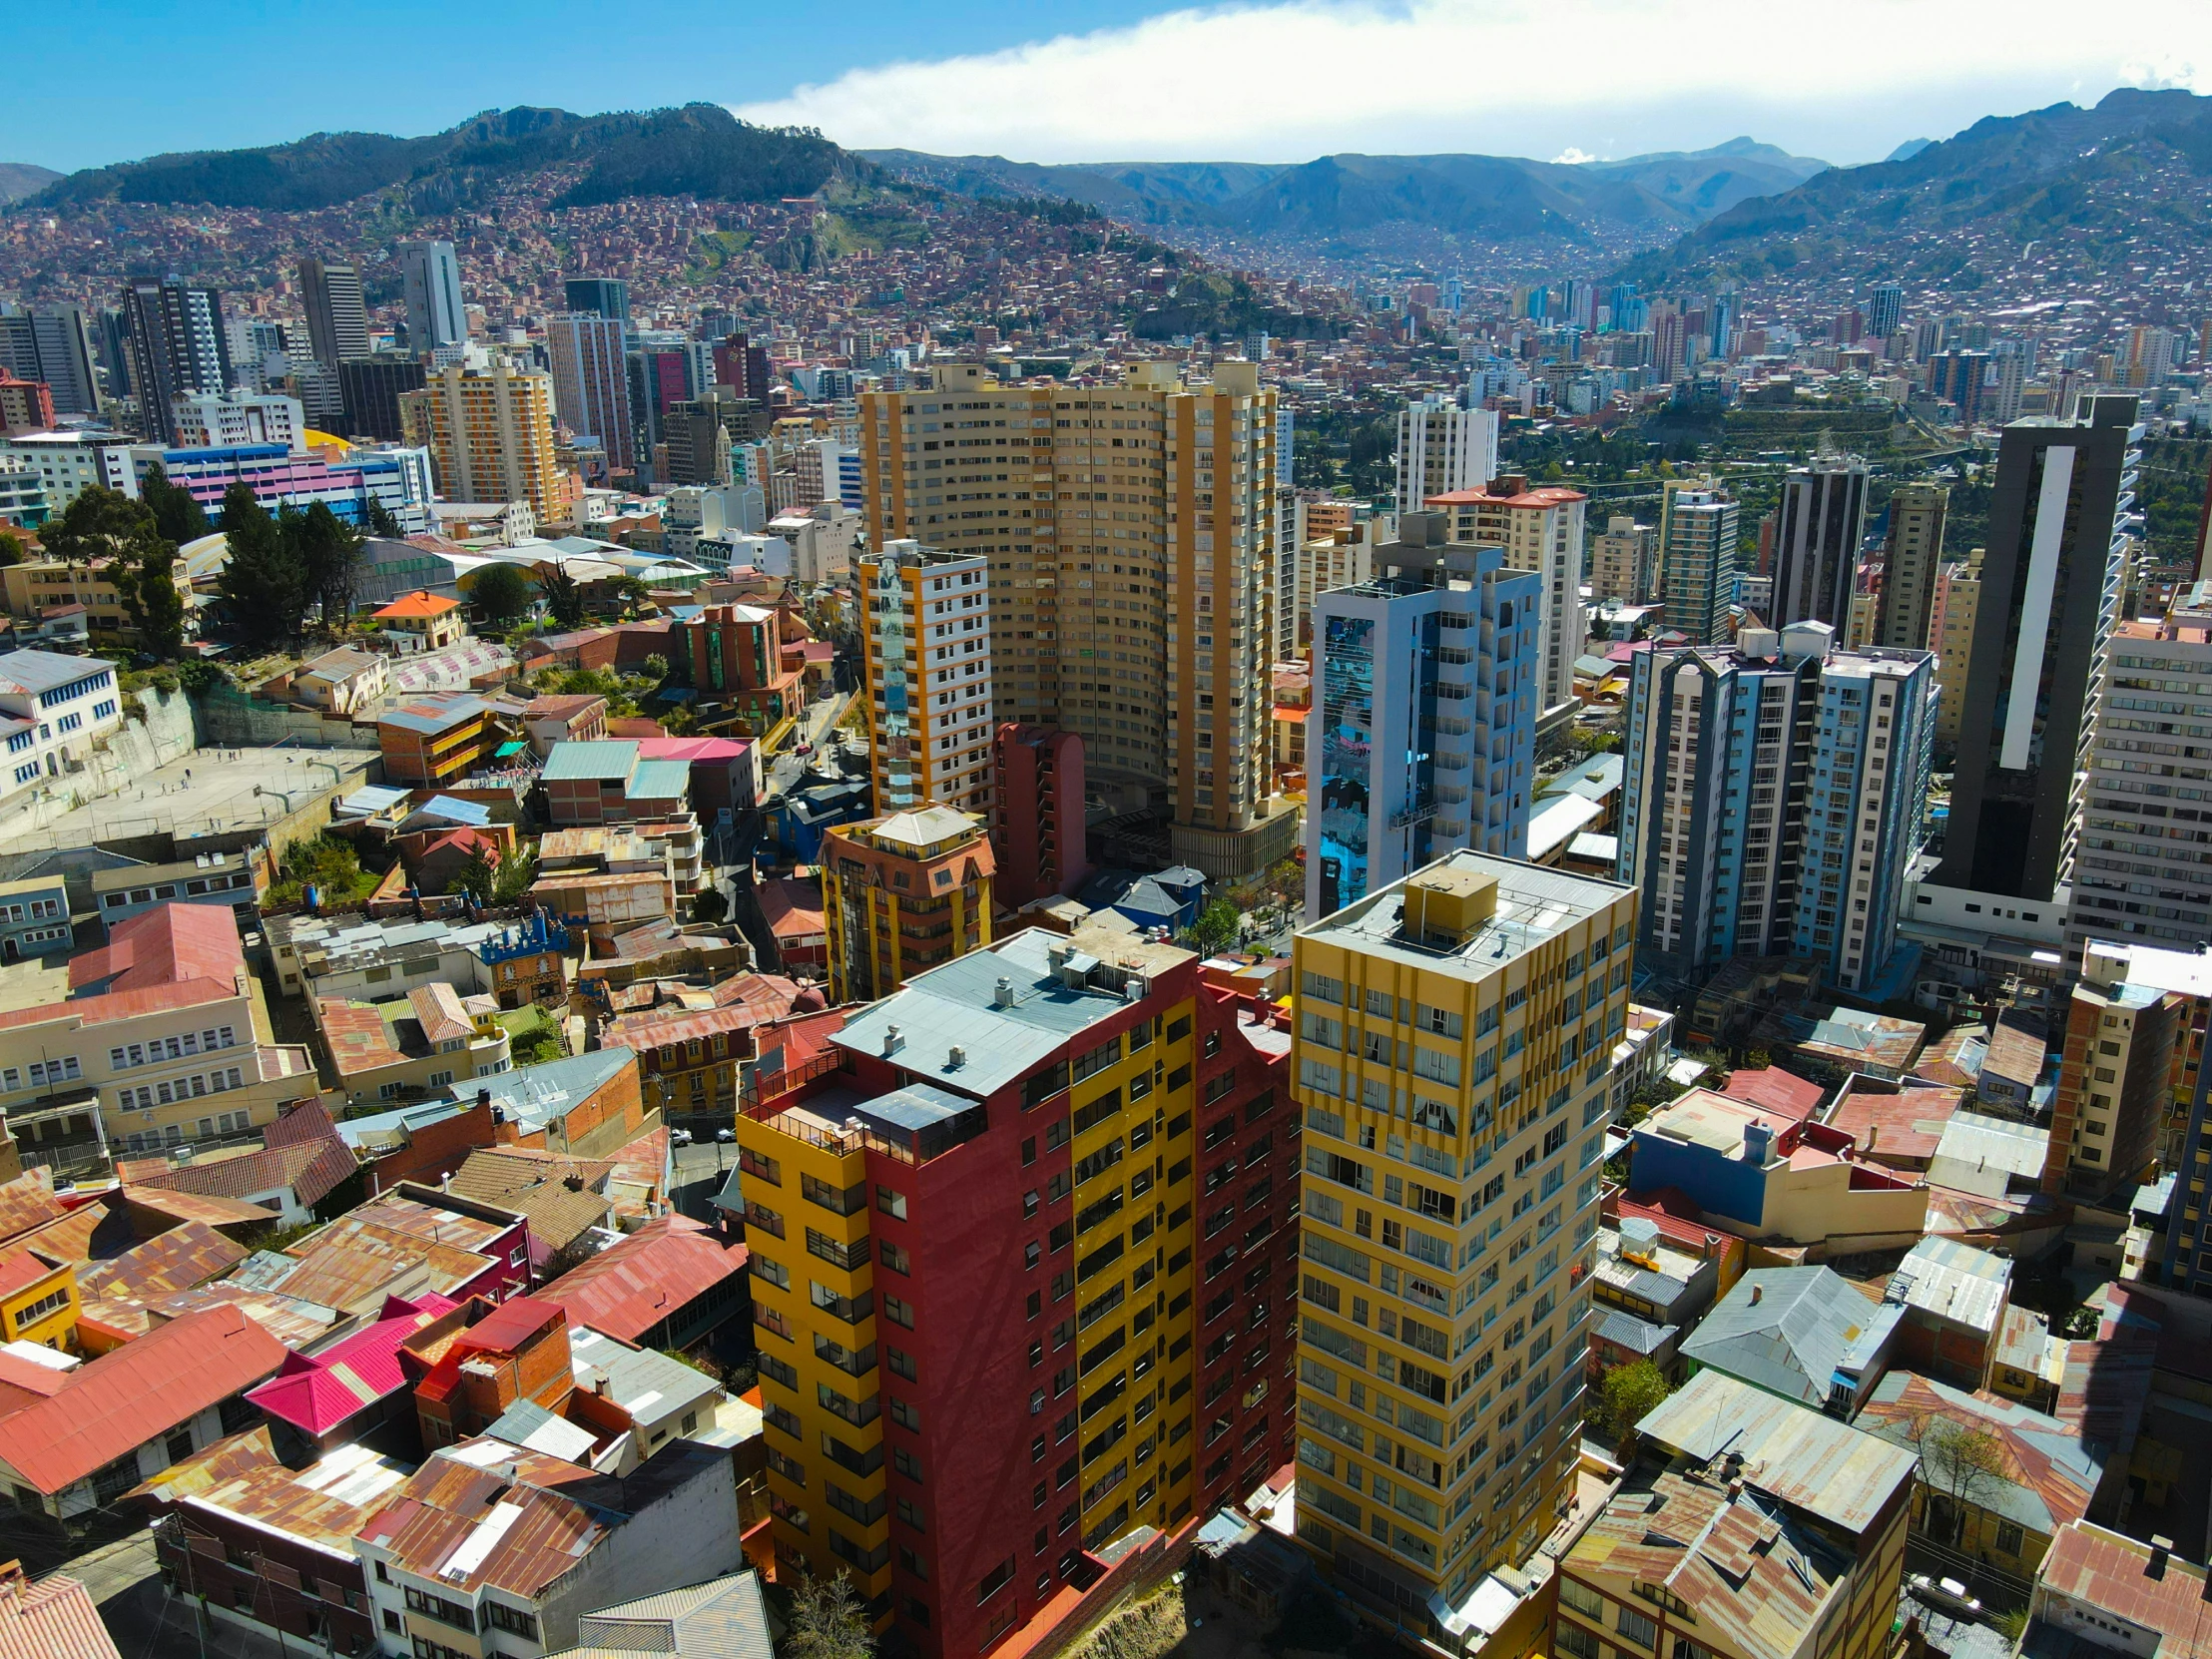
(25, 405)
(737, 666)
(1038, 823)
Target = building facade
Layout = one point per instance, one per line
(1037, 829)
(430, 281)
(902, 893)
(1542, 531)
(591, 382)
(491, 434)
(1452, 1039)
(1697, 560)
(1820, 523)
(1442, 449)
(1624, 563)
(925, 619)
(1911, 554)
(337, 314)
(1950, 626)
(177, 344)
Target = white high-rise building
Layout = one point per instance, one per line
(205, 422)
(1540, 530)
(926, 617)
(1442, 449)
(431, 274)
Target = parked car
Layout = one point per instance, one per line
(1945, 1595)
(679, 1137)
(725, 1135)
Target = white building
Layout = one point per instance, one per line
(926, 619)
(204, 420)
(52, 708)
(70, 462)
(1442, 447)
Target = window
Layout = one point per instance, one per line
(994, 1581)
(2008, 1539)
(500, 1617)
(1634, 1627)
(1576, 1642)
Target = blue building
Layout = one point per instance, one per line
(1770, 803)
(34, 919)
(1423, 732)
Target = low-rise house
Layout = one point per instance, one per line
(695, 1058)
(236, 881)
(606, 880)
(571, 718)
(354, 1387)
(402, 1242)
(1995, 1480)
(1766, 1532)
(34, 919)
(1826, 1042)
(563, 1197)
(723, 1618)
(302, 1162)
(588, 1105)
(1897, 1124)
(343, 682)
(2012, 1068)
(422, 621)
(430, 742)
(1650, 1289)
(131, 1413)
(627, 1403)
(52, 708)
(484, 1541)
(38, 1300)
(725, 772)
(668, 1285)
(792, 907)
(182, 1259)
(163, 1032)
(593, 786)
(1954, 1297)
(483, 1358)
(1801, 1334)
(269, 1548)
(410, 1048)
(2105, 1594)
(1997, 1158)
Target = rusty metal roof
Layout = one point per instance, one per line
(173, 1261)
(2103, 1570)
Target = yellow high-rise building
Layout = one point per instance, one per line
(1951, 635)
(1453, 1044)
(491, 434)
(1130, 532)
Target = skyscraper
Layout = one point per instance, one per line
(607, 297)
(1822, 520)
(591, 381)
(50, 343)
(370, 388)
(1771, 800)
(1884, 310)
(1423, 736)
(1951, 631)
(1541, 530)
(1453, 1041)
(1146, 624)
(176, 346)
(1911, 552)
(491, 434)
(926, 676)
(1442, 447)
(744, 368)
(2050, 588)
(430, 278)
(1697, 559)
(1624, 562)
(337, 316)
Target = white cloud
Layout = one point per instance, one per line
(1571, 157)
(1846, 78)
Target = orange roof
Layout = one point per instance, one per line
(1772, 1087)
(168, 945)
(51, 1619)
(20, 1270)
(648, 1277)
(1549, 495)
(421, 603)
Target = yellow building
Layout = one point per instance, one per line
(38, 587)
(926, 618)
(902, 893)
(38, 1301)
(491, 434)
(1454, 1039)
(1130, 532)
(1951, 637)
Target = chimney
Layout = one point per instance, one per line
(483, 1097)
(602, 1384)
(955, 1057)
(1757, 1290)
(2161, 1546)
(894, 1039)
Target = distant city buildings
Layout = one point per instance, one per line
(1442, 447)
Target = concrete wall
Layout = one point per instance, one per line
(687, 1537)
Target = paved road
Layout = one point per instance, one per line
(787, 767)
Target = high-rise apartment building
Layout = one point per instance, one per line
(1950, 630)
(607, 297)
(52, 343)
(430, 281)
(1024, 1277)
(1960, 377)
(1038, 832)
(744, 368)
(2134, 1027)
(491, 434)
(1335, 558)
(369, 389)
(337, 315)
(1541, 530)
(1286, 535)
(1454, 1035)
(2050, 589)
(177, 347)
(2143, 866)
(1912, 553)
(1423, 736)
(591, 381)
(1624, 562)
(1771, 800)
(1696, 560)
(900, 894)
(1442, 449)
(1822, 521)
(1886, 310)
(203, 420)
(1144, 623)
(925, 626)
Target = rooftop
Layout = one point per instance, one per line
(1894, 1123)
(1792, 1331)
(2047, 1477)
(609, 760)
(1533, 905)
(43, 671)
(649, 1277)
(1954, 1281)
(322, 1505)
(2103, 1570)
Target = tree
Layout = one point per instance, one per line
(478, 877)
(381, 523)
(329, 552)
(176, 511)
(563, 597)
(501, 593)
(1629, 1392)
(828, 1621)
(516, 872)
(1961, 1464)
(629, 591)
(656, 667)
(99, 524)
(262, 586)
(710, 905)
(146, 581)
(1214, 929)
(11, 548)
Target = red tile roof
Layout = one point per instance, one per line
(135, 1393)
(649, 1277)
(1547, 495)
(793, 907)
(168, 945)
(319, 1393)
(51, 1619)
(421, 603)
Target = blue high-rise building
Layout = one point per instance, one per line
(1423, 730)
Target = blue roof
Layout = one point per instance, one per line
(471, 812)
(371, 799)
(611, 759)
(659, 780)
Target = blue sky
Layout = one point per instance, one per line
(1065, 80)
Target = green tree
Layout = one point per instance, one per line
(1214, 929)
(656, 667)
(478, 877)
(146, 582)
(501, 594)
(329, 552)
(1963, 1466)
(563, 597)
(516, 872)
(828, 1621)
(263, 585)
(176, 511)
(1629, 1392)
(11, 548)
(99, 524)
(381, 523)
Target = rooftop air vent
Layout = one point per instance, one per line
(894, 1039)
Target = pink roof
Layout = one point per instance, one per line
(689, 750)
(317, 1394)
(169, 945)
(1777, 1090)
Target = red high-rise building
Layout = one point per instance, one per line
(1038, 827)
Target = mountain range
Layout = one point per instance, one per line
(1494, 197)
(21, 178)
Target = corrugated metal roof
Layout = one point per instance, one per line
(647, 1278)
(608, 760)
(723, 1618)
(1789, 1330)
(2049, 1477)
(2103, 1570)
(1954, 1281)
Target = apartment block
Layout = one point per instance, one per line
(441, 740)
(1951, 629)
(491, 434)
(1341, 556)
(926, 618)
(223, 420)
(737, 658)
(902, 893)
(1130, 537)
(1454, 1033)
(1442, 447)
(1911, 554)
(1820, 522)
(1697, 560)
(1423, 733)
(1769, 1531)
(590, 385)
(2143, 867)
(1771, 800)
(1038, 828)
(1540, 530)
(1021, 1270)
(52, 708)
(1624, 563)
